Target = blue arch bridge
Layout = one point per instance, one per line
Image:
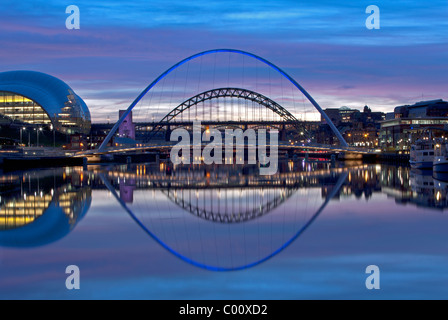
(184, 115)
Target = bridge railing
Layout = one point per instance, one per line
(168, 144)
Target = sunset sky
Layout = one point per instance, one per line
(122, 46)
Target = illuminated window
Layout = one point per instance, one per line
(18, 107)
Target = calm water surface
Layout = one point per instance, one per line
(156, 232)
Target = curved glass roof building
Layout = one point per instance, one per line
(42, 100)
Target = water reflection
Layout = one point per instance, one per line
(427, 191)
(227, 195)
(42, 206)
(215, 217)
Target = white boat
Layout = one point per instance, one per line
(440, 163)
(422, 154)
(421, 183)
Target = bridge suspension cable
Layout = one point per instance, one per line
(244, 53)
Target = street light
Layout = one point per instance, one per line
(54, 138)
(23, 128)
(37, 134)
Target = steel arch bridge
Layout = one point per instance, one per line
(341, 179)
(233, 217)
(239, 93)
(214, 51)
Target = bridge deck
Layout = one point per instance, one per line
(167, 145)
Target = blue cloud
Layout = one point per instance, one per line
(324, 44)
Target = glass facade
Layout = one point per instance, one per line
(20, 212)
(20, 108)
(399, 134)
(69, 120)
(29, 202)
(40, 100)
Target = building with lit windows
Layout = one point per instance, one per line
(359, 128)
(412, 122)
(37, 99)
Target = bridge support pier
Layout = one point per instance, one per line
(84, 164)
(333, 160)
(283, 133)
(128, 163)
(168, 133)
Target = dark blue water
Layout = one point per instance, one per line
(157, 232)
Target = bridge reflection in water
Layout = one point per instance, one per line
(214, 217)
(236, 217)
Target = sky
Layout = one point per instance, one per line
(123, 46)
